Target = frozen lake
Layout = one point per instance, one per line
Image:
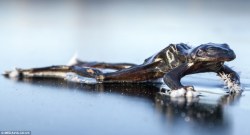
(35, 34)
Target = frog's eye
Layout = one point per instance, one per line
(210, 49)
(200, 52)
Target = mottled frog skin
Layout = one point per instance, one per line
(172, 63)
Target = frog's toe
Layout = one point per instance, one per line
(236, 88)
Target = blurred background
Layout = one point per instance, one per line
(35, 33)
(52, 31)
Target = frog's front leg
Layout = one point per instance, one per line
(172, 79)
(231, 79)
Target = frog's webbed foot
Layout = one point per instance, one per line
(230, 84)
(231, 79)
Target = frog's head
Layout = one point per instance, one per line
(212, 52)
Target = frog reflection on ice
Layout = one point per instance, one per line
(172, 63)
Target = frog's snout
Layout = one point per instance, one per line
(231, 55)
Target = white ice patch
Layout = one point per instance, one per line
(182, 92)
(178, 93)
(73, 60)
(72, 77)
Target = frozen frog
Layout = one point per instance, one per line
(172, 63)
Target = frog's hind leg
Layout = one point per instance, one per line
(54, 72)
(103, 65)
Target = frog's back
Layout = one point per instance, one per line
(171, 56)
